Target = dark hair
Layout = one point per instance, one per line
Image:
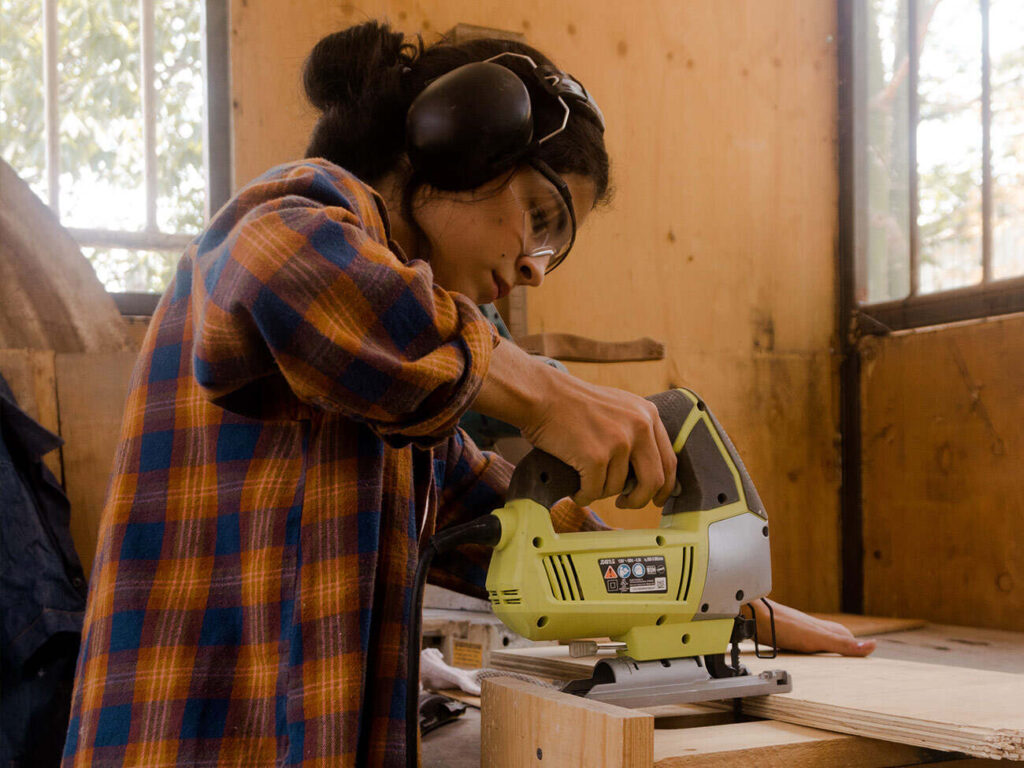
(364, 78)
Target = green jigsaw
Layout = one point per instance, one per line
(671, 596)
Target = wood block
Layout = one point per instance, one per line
(524, 724)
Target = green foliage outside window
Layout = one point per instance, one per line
(948, 141)
(100, 115)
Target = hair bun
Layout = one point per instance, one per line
(345, 65)
(355, 78)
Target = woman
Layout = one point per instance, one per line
(290, 441)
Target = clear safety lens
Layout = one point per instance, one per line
(547, 222)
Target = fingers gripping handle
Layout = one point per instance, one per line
(547, 479)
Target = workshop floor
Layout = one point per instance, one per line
(455, 745)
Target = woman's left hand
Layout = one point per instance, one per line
(797, 631)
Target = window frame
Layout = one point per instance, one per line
(217, 147)
(989, 298)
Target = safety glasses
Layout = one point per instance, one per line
(549, 218)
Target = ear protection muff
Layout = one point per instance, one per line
(476, 122)
(469, 125)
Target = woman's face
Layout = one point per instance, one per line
(488, 240)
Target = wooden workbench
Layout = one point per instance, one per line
(526, 725)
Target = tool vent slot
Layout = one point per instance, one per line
(563, 579)
(506, 596)
(685, 575)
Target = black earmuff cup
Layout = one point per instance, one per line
(469, 126)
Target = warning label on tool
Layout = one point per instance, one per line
(644, 573)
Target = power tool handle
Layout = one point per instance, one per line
(547, 479)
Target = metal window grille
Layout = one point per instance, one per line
(216, 140)
(991, 296)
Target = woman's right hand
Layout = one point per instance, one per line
(599, 431)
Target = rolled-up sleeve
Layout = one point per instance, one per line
(302, 287)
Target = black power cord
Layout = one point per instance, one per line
(483, 530)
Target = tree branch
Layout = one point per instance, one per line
(884, 98)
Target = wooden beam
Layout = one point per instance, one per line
(525, 725)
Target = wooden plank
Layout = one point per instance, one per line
(942, 464)
(862, 626)
(954, 709)
(30, 373)
(91, 391)
(768, 743)
(547, 661)
(569, 347)
(524, 725)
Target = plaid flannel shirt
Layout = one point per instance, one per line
(289, 434)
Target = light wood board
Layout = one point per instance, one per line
(943, 455)
(977, 712)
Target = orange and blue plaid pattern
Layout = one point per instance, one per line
(291, 420)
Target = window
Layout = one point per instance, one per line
(102, 112)
(937, 112)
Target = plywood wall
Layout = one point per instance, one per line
(720, 239)
(943, 459)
